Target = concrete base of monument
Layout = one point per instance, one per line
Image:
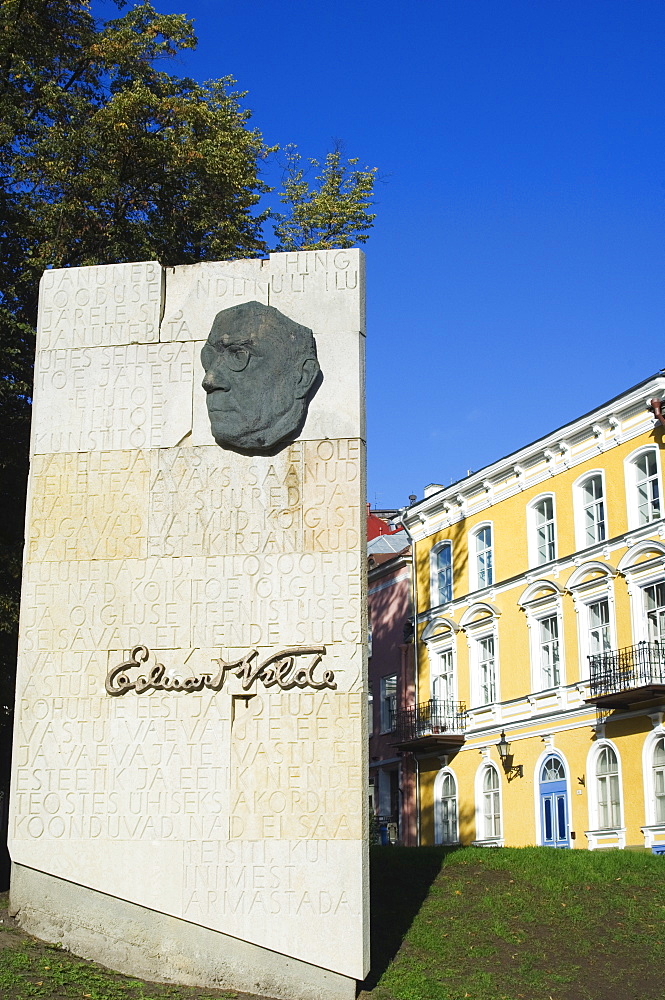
(160, 948)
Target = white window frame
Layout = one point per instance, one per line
(485, 656)
(482, 839)
(384, 720)
(539, 622)
(641, 573)
(660, 639)
(439, 781)
(653, 831)
(598, 628)
(585, 593)
(384, 790)
(440, 638)
(532, 530)
(436, 656)
(630, 476)
(476, 630)
(435, 594)
(605, 837)
(474, 578)
(579, 509)
(537, 609)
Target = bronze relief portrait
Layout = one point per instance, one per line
(261, 370)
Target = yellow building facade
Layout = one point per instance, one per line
(540, 597)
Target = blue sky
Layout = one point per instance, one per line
(516, 271)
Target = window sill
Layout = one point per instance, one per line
(654, 835)
(604, 839)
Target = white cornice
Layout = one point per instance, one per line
(536, 462)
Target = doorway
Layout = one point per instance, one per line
(554, 824)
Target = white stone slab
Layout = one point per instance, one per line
(161, 948)
(99, 306)
(255, 818)
(241, 809)
(223, 602)
(195, 293)
(336, 278)
(113, 398)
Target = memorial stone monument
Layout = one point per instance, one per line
(189, 775)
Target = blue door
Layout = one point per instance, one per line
(554, 804)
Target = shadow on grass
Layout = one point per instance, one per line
(400, 878)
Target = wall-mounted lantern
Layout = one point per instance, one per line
(512, 770)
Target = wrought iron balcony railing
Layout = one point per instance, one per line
(434, 720)
(618, 674)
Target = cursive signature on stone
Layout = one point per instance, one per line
(281, 669)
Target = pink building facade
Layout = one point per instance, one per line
(391, 681)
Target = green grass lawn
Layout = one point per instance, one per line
(472, 924)
(517, 924)
(27, 972)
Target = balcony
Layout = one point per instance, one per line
(432, 725)
(619, 678)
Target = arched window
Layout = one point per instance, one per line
(658, 775)
(607, 789)
(605, 794)
(541, 603)
(590, 513)
(553, 770)
(545, 537)
(445, 818)
(643, 566)
(480, 622)
(441, 574)
(653, 770)
(591, 585)
(643, 487)
(648, 487)
(439, 637)
(482, 557)
(491, 804)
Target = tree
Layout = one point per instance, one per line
(334, 213)
(105, 157)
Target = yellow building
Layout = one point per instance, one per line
(540, 596)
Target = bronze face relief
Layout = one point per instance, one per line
(261, 369)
